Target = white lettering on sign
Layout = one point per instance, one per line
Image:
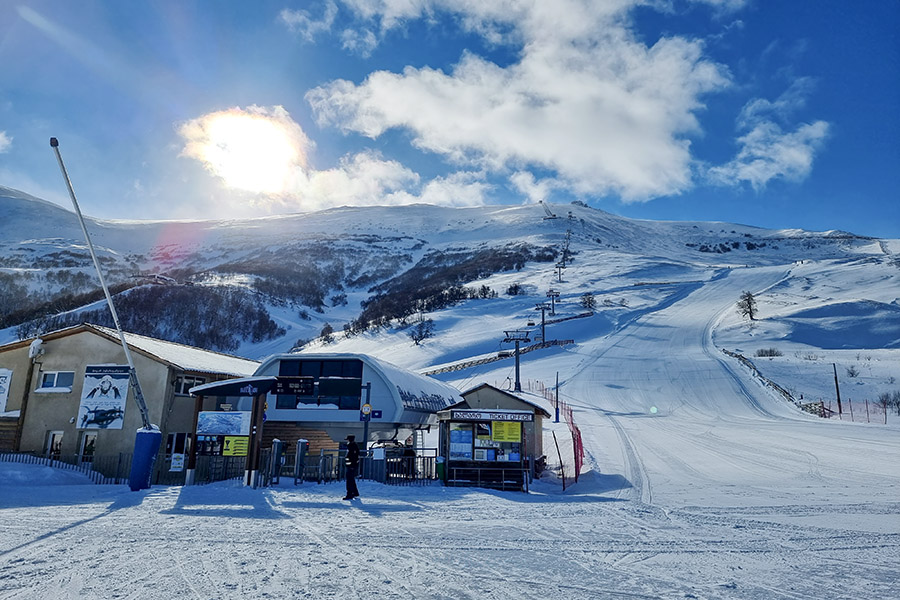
(482, 415)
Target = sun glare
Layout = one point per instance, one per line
(250, 152)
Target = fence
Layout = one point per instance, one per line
(749, 364)
(865, 412)
(70, 463)
(492, 477)
(395, 468)
(459, 366)
(877, 410)
(568, 416)
(116, 468)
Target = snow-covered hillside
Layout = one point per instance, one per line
(701, 480)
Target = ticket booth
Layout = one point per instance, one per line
(485, 448)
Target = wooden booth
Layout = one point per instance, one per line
(486, 445)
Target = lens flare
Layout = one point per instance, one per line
(257, 150)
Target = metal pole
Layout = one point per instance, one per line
(368, 387)
(543, 327)
(192, 455)
(518, 387)
(135, 384)
(837, 389)
(557, 397)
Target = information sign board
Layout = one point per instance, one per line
(177, 464)
(294, 386)
(506, 431)
(491, 415)
(236, 445)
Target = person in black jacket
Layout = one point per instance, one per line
(351, 462)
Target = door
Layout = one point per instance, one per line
(88, 446)
(53, 446)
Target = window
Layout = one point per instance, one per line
(461, 441)
(335, 382)
(57, 381)
(177, 443)
(492, 441)
(88, 447)
(53, 444)
(184, 383)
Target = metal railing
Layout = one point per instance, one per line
(328, 466)
(113, 469)
(490, 477)
(116, 468)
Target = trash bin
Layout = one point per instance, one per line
(439, 467)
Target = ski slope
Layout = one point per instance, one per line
(699, 482)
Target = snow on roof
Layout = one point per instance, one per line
(505, 393)
(187, 358)
(417, 392)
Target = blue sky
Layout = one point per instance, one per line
(776, 114)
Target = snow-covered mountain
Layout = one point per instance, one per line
(702, 476)
(309, 269)
(474, 273)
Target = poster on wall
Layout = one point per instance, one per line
(103, 397)
(177, 464)
(506, 431)
(5, 379)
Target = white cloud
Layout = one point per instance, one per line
(528, 186)
(363, 179)
(5, 141)
(366, 179)
(307, 26)
(359, 42)
(793, 99)
(767, 151)
(260, 155)
(460, 189)
(723, 5)
(587, 101)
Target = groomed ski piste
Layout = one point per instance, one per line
(699, 482)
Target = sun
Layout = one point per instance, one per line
(252, 150)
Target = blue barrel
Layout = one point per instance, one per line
(146, 447)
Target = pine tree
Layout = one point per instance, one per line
(588, 301)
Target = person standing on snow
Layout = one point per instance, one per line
(351, 462)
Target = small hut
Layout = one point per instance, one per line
(491, 439)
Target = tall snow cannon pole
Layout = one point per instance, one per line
(148, 438)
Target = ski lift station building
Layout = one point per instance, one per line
(326, 392)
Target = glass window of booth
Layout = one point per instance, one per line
(486, 441)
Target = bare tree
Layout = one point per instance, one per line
(747, 305)
(588, 301)
(423, 329)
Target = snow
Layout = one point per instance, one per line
(187, 357)
(725, 491)
(700, 481)
(223, 540)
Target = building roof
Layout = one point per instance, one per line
(416, 392)
(537, 408)
(178, 356)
